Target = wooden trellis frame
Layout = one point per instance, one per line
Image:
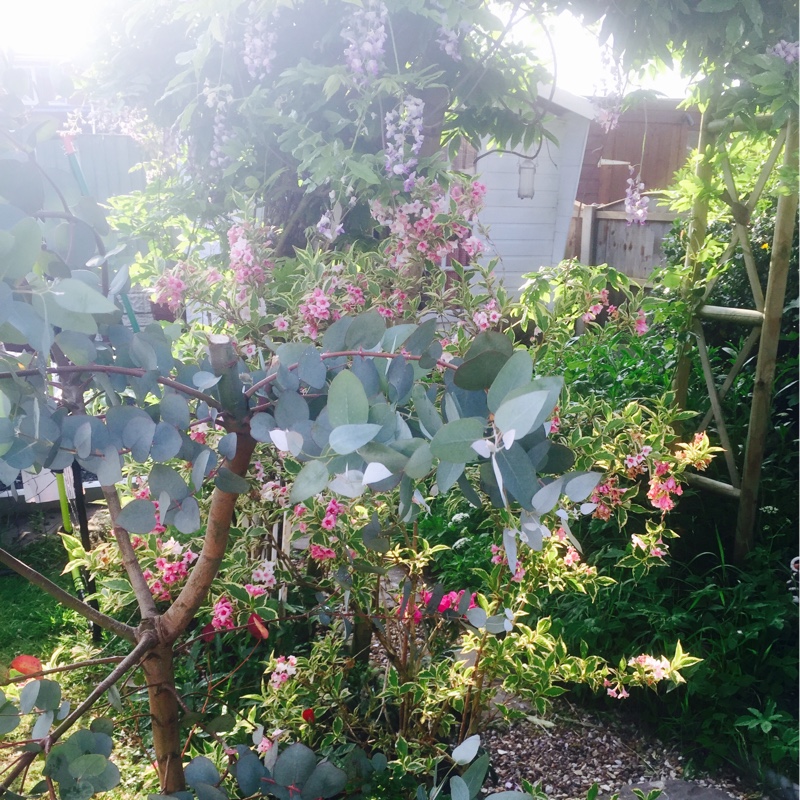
(765, 318)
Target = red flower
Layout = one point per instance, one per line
(207, 633)
(308, 715)
(257, 627)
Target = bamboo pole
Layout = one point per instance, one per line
(785, 218)
(697, 234)
(744, 316)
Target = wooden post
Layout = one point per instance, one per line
(697, 235)
(588, 234)
(785, 218)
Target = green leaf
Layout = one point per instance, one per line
(139, 516)
(90, 212)
(77, 347)
(453, 441)
(27, 696)
(311, 480)
(365, 332)
(167, 442)
(294, 765)
(467, 750)
(49, 695)
(447, 474)
(512, 411)
(426, 411)
(420, 462)
(458, 788)
(201, 770)
(579, 485)
(326, 781)
(227, 481)
(348, 438)
(187, 520)
(75, 295)
(260, 426)
(19, 261)
(483, 361)
(476, 774)
(88, 765)
(547, 497)
(518, 474)
(360, 170)
(175, 410)
(516, 373)
(347, 400)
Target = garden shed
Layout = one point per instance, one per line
(530, 195)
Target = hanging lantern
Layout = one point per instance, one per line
(527, 173)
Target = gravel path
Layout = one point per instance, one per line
(575, 748)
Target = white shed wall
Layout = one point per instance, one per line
(526, 234)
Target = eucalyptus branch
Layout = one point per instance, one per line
(92, 662)
(110, 369)
(147, 642)
(66, 599)
(144, 597)
(338, 354)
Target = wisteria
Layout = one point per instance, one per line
(788, 51)
(259, 44)
(636, 204)
(218, 100)
(448, 41)
(366, 35)
(404, 136)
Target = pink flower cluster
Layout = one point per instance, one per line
(615, 690)
(488, 316)
(168, 572)
(499, 557)
(320, 553)
(607, 495)
(333, 511)
(222, 618)
(416, 235)
(656, 551)
(247, 260)
(660, 492)
(635, 464)
(285, 667)
(170, 289)
(655, 669)
(449, 602)
(572, 557)
(263, 579)
(274, 492)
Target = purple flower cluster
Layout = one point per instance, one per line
(259, 44)
(636, 204)
(607, 112)
(367, 37)
(401, 125)
(788, 51)
(325, 227)
(218, 100)
(448, 41)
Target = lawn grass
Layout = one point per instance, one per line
(32, 622)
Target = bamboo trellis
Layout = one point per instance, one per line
(765, 318)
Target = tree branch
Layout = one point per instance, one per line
(175, 619)
(92, 662)
(109, 369)
(66, 599)
(144, 597)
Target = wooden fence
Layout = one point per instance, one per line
(601, 235)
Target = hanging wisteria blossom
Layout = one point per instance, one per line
(636, 204)
(404, 136)
(367, 37)
(259, 44)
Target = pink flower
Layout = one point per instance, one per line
(223, 614)
(572, 557)
(329, 522)
(641, 326)
(255, 591)
(320, 553)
